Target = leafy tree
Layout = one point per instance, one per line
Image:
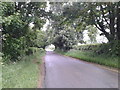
(63, 34)
(13, 33)
(92, 33)
(105, 16)
(65, 39)
(41, 40)
(17, 37)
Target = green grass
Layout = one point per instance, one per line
(92, 57)
(0, 72)
(22, 74)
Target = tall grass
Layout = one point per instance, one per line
(0, 70)
(92, 57)
(22, 74)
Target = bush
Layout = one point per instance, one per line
(32, 50)
(41, 49)
(91, 57)
(87, 47)
(105, 48)
(13, 42)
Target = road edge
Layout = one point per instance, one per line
(102, 66)
(41, 73)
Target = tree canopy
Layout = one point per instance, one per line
(17, 36)
(67, 22)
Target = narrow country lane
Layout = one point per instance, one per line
(65, 72)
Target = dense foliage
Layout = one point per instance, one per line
(99, 49)
(67, 23)
(101, 59)
(18, 38)
(105, 16)
(93, 16)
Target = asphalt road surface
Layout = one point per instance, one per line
(65, 72)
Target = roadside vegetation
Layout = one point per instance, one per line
(22, 74)
(95, 53)
(95, 58)
(22, 43)
(25, 29)
(76, 18)
(0, 70)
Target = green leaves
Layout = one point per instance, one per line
(14, 26)
(65, 39)
(17, 37)
(7, 9)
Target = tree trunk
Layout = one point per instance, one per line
(112, 21)
(118, 21)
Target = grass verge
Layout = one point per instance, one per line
(22, 74)
(94, 58)
(0, 71)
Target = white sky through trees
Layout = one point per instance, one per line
(99, 39)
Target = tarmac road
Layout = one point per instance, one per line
(66, 72)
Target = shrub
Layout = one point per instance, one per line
(105, 48)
